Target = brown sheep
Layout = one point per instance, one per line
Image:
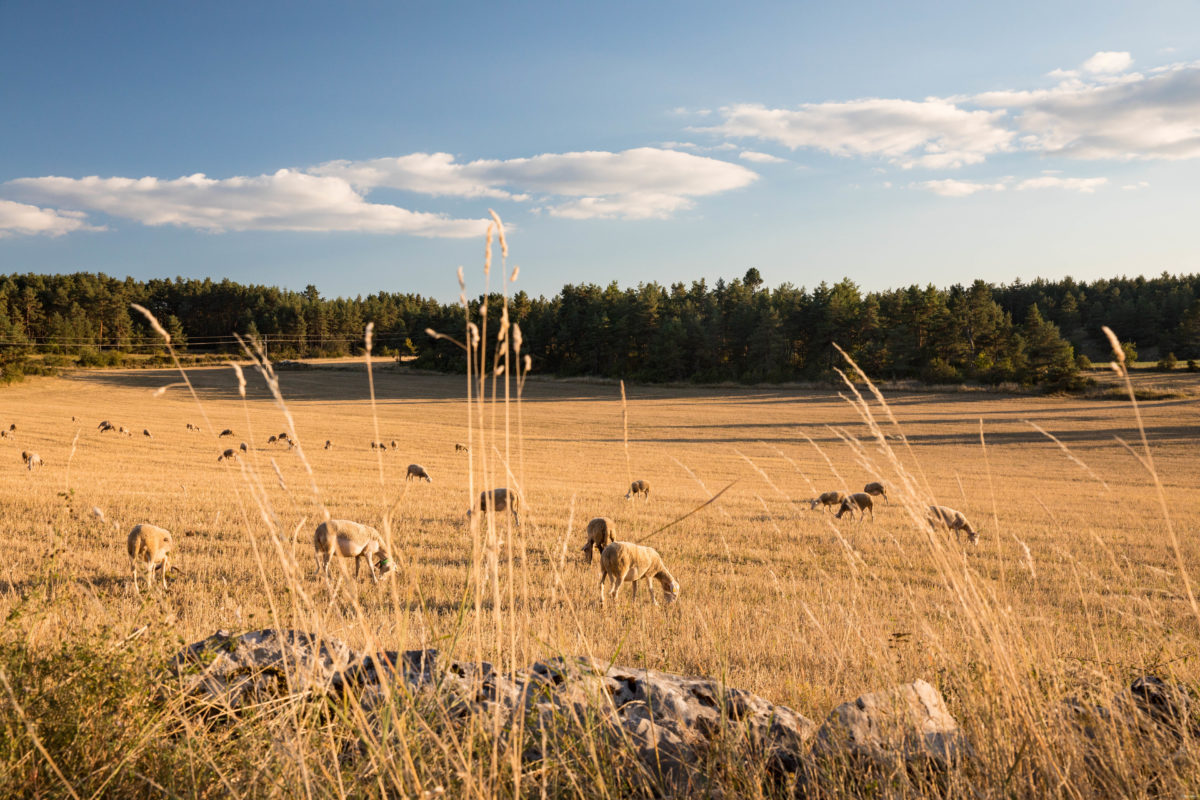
(952, 520)
(827, 499)
(501, 499)
(876, 488)
(601, 532)
(638, 488)
(859, 501)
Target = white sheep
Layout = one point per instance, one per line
(601, 532)
(875, 488)
(827, 499)
(31, 460)
(418, 472)
(859, 501)
(952, 520)
(501, 499)
(149, 546)
(625, 562)
(351, 540)
(638, 488)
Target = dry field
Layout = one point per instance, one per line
(1074, 588)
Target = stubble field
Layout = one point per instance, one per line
(1074, 588)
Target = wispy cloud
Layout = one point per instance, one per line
(21, 219)
(760, 158)
(283, 201)
(1099, 110)
(949, 187)
(1083, 185)
(641, 183)
(929, 133)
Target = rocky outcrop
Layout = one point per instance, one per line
(670, 722)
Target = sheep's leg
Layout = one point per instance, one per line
(603, 577)
(165, 564)
(133, 566)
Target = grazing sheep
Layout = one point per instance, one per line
(860, 501)
(827, 499)
(149, 546)
(226, 432)
(106, 426)
(418, 472)
(125, 431)
(230, 453)
(283, 437)
(146, 433)
(954, 521)
(393, 444)
(271, 439)
(5, 435)
(351, 540)
(459, 447)
(601, 532)
(876, 489)
(625, 562)
(13, 426)
(638, 488)
(501, 499)
(31, 460)
(192, 427)
(243, 447)
(374, 445)
(328, 445)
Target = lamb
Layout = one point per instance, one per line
(31, 460)
(149, 546)
(860, 501)
(875, 488)
(502, 499)
(106, 426)
(351, 540)
(418, 472)
(230, 453)
(826, 499)
(459, 447)
(953, 520)
(226, 432)
(625, 562)
(638, 488)
(601, 532)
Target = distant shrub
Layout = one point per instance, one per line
(1168, 362)
(1083, 362)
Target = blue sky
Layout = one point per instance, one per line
(359, 146)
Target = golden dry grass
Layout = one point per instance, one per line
(1073, 563)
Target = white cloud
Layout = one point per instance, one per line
(760, 158)
(636, 184)
(284, 201)
(27, 220)
(1108, 62)
(1133, 187)
(1125, 117)
(930, 133)
(1098, 111)
(949, 187)
(1084, 185)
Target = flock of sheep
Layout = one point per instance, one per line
(149, 546)
(937, 516)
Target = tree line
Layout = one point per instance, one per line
(739, 330)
